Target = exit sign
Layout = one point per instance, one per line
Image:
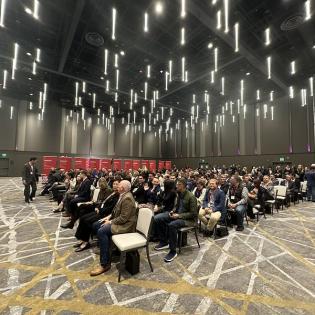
(3, 155)
(282, 159)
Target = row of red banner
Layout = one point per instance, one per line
(67, 163)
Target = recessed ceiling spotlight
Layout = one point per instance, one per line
(29, 54)
(314, 46)
(158, 8)
(122, 53)
(31, 94)
(28, 11)
(102, 78)
(30, 79)
(161, 71)
(210, 45)
(247, 73)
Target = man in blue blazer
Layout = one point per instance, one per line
(213, 206)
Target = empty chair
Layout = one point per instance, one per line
(281, 193)
(132, 241)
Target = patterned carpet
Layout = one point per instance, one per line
(269, 268)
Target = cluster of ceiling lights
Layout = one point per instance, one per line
(157, 116)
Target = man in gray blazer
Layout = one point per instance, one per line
(122, 220)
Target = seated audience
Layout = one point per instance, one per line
(122, 220)
(213, 206)
(82, 195)
(310, 178)
(85, 227)
(237, 201)
(200, 192)
(168, 223)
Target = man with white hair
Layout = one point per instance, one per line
(122, 220)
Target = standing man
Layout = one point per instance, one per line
(30, 179)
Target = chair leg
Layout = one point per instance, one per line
(196, 235)
(180, 242)
(121, 259)
(214, 232)
(148, 256)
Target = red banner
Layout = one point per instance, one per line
(161, 165)
(145, 164)
(168, 165)
(80, 163)
(94, 164)
(135, 165)
(65, 163)
(117, 165)
(48, 163)
(128, 165)
(152, 166)
(106, 164)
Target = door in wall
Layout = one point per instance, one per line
(4, 167)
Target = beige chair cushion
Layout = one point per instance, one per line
(129, 241)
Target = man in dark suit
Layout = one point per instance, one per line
(30, 179)
(83, 194)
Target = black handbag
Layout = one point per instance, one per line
(133, 262)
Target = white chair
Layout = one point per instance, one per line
(132, 241)
(272, 202)
(303, 191)
(281, 193)
(94, 198)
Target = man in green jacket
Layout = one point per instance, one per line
(167, 223)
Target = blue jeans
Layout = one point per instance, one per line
(240, 211)
(166, 229)
(104, 234)
(311, 193)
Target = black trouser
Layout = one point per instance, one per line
(75, 211)
(85, 227)
(27, 190)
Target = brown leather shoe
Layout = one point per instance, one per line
(99, 270)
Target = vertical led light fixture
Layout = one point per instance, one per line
(35, 9)
(114, 13)
(183, 9)
(267, 37)
(219, 24)
(183, 69)
(182, 41)
(308, 14)
(216, 59)
(146, 23)
(292, 67)
(226, 16)
(106, 61)
(2, 12)
(236, 34)
(269, 67)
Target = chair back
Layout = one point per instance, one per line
(304, 186)
(281, 191)
(144, 221)
(95, 194)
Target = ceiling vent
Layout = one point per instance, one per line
(94, 39)
(292, 22)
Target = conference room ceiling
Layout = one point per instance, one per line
(73, 35)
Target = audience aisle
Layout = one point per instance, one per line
(269, 268)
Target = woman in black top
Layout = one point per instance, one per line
(168, 197)
(84, 229)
